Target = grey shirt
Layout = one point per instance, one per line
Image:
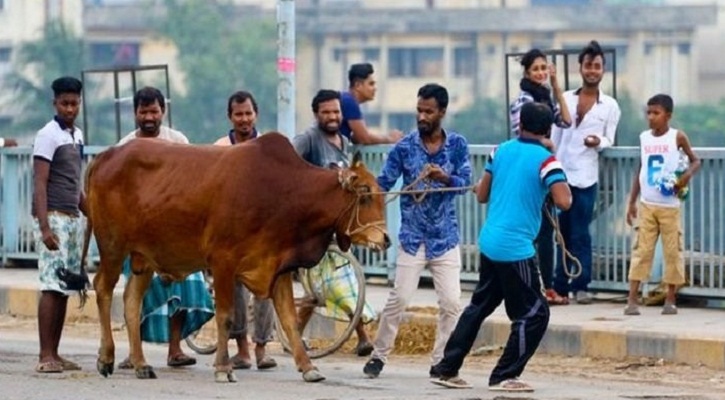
(62, 147)
(313, 146)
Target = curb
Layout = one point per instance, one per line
(560, 339)
(23, 302)
(574, 340)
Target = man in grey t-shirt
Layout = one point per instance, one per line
(323, 145)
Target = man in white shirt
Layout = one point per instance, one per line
(594, 123)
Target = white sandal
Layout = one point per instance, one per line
(511, 385)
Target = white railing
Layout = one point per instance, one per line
(703, 218)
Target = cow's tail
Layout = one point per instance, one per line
(89, 228)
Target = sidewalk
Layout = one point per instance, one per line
(695, 336)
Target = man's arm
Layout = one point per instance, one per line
(392, 170)
(683, 142)
(610, 129)
(303, 146)
(552, 175)
(361, 134)
(633, 196)
(461, 174)
(41, 171)
(8, 142)
(483, 188)
(561, 195)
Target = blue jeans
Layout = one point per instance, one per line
(574, 225)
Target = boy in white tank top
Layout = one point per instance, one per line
(660, 148)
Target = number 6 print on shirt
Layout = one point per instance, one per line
(654, 168)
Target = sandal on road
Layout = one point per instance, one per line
(49, 367)
(266, 362)
(180, 360)
(240, 363)
(451, 382)
(554, 299)
(69, 365)
(511, 385)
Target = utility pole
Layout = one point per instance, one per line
(286, 67)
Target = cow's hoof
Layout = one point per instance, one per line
(104, 369)
(313, 375)
(224, 376)
(145, 372)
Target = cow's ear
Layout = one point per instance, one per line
(343, 242)
(346, 178)
(357, 160)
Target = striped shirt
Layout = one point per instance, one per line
(515, 112)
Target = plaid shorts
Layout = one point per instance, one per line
(69, 231)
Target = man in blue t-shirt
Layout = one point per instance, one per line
(362, 90)
(517, 178)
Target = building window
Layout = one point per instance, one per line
(464, 61)
(5, 66)
(373, 119)
(371, 54)
(416, 62)
(114, 54)
(403, 121)
(621, 53)
(5, 53)
(683, 48)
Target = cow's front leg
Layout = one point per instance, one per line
(133, 300)
(103, 284)
(223, 302)
(285, 307)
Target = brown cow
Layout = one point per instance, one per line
(252, 212)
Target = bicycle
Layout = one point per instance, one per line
(327, 329)
(323, 335)
(204, 340)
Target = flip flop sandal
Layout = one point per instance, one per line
(266, 363)
(49, 367)
(239, 363)
(69, 365)
(181, 360)
(511, 385)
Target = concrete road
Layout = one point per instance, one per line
(404, 378)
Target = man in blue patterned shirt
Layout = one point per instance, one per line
(429, 229)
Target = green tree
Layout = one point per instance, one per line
(632, 121)
(220, 55)
(703, 123)
(483, 122)
(59, 52)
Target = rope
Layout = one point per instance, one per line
(419, 195)
(571, 273)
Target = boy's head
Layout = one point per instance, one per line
(67, 99)
(659, 111)
(536, 118)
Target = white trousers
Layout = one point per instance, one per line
(446, 273)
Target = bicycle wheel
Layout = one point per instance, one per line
(327, 330)
(204, 341)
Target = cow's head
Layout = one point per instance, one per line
(363, 221)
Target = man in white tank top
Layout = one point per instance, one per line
(660, 148)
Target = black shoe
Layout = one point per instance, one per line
(434, 373)
(373, 367)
